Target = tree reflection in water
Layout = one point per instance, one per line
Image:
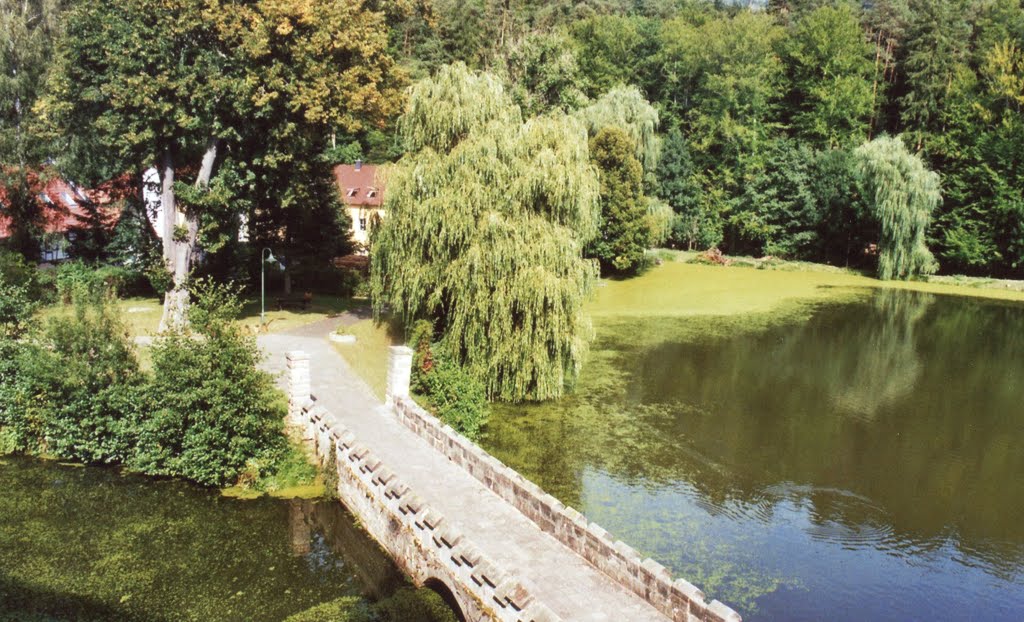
(895, 422)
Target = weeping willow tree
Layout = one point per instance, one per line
(626, 108)
(487, 216)
(902, 194)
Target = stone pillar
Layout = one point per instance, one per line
(399, 373)
(298, 384)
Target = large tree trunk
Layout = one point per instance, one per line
(180, 232)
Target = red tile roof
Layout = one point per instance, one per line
(359, 188)
(62, 203)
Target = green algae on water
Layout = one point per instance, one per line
(97, 544)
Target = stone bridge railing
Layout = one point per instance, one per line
(428, 549)
(434, 553)
(678, 599)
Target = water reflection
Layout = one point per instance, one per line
(882, 435)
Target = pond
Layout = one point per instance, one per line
(96, 544)
(861, 462)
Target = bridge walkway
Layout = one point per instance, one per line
(557, 576)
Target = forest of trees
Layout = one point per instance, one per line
(746, 119)
(760, 108)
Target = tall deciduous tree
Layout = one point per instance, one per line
(902, 193)
(487, 218)
(28, 29)
(608, 51)
(830, 69)
(187, 82)
(937, 51)
(542, 71)
(625, 228)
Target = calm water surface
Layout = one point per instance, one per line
(93, 544)
(863, 464)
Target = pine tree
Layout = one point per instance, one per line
(625, 230)
(627, 109)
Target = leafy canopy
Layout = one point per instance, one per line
(903, 193)
(487, 217)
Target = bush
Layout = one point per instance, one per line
(413, 605)
(458, 398)
(74, 392)
(420, 339)
(214, 410)
(20, 427)
(344, 609)
(78, 279)
(16, 309)
(17, 272)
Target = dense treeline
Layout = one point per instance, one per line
(758, 110)
(761, 109)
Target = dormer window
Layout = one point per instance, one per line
(352, 192)
(372, 192)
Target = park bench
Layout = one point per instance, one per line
(304, 302)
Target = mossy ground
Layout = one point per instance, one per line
(678, 289)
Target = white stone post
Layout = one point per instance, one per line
(299, 388)
(399, 373)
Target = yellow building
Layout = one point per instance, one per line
(363, 196)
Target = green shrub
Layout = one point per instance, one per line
(89, 379)
(413, 605)
(20, 426)
(458, 398)
(16, 309)
(206, 412)
(214, 306)
(74, 391)
(78, 279)
(16, 271)
(344, 609)
(420, 340)
(214, 411)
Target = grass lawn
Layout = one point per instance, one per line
(368, 356)
(143, 314)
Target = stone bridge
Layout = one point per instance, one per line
(457, 520)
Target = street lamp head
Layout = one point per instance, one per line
(269, 256)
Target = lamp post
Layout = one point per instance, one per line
(265, 256)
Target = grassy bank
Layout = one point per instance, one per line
(142, 315)
(368, 356)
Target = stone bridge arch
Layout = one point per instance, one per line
(447, 595)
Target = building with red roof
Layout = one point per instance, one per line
(362, 191)
(66, 209)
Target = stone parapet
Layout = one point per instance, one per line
(420, 539)
(297, 368)
(678, 599)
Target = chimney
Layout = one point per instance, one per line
(359, 164)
